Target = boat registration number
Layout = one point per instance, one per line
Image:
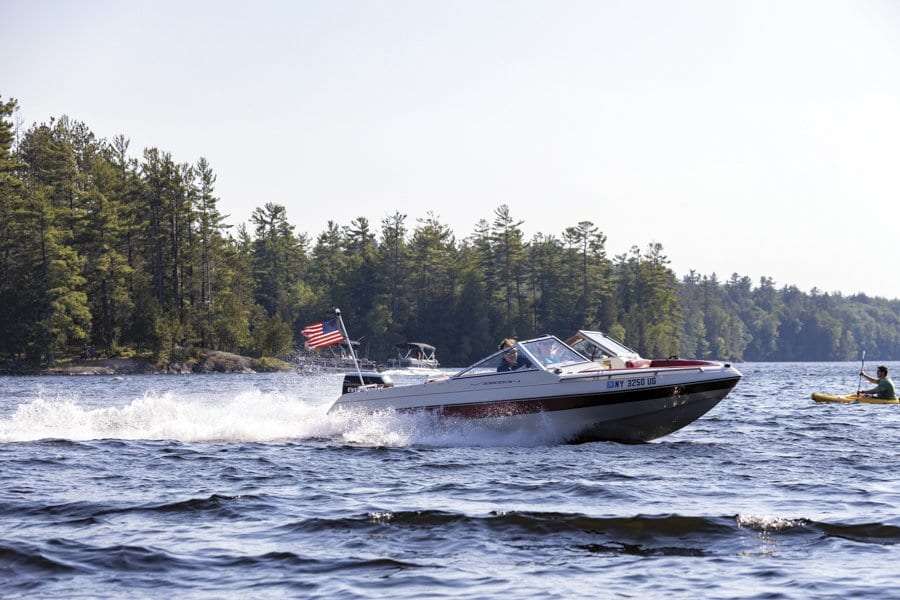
(633, 382)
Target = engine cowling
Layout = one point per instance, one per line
(369, 378)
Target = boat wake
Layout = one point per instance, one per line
(253, 416)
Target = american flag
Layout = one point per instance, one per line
(321, 335)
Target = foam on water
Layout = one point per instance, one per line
(249, 416)
(766, 523)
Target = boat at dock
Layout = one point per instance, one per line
(332, 359)
(414, 355)
(548, 386)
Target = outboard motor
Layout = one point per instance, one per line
(351, 381)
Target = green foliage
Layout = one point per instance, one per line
(68, 318)
(271, 336)
(268, 364)
(278, 258)
(105, 254)
(647, 296)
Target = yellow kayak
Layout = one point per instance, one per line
(851, 399)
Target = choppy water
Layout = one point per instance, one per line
(212, 485)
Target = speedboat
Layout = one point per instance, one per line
(545, 385)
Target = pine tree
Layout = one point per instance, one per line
(48, 151)
(433, 281)
(232, 292)
(51, 304)
(469, 315)
(279, 263)
(589, 279)
(509, 264)
(392, 311)
(12, 191)
(326, 270)
(550, 306)
(210, 249)
(106, 270)
(360, 280)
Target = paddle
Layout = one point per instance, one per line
(862, 368)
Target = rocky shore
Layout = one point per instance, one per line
(206, 361)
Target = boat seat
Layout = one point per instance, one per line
(638, 363)
(615, 362)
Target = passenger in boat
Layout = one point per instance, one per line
(550, 353)
(884, 387)
(511, 359)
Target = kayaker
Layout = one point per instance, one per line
(884, 387)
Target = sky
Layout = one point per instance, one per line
(754, 137)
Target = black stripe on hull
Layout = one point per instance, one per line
(648, 426)
(502, 408)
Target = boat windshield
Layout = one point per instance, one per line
(552, 353)
(597, 345)
(512, 359)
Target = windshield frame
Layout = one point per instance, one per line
(608, 343)
(537, 365)
(558, 365)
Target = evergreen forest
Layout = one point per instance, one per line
(109, 252)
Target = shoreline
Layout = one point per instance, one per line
(206, 361)
(214, 361)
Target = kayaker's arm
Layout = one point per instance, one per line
(867, 378)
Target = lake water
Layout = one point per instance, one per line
(241, 485)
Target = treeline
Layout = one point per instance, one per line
(104, 253)
(734, 319)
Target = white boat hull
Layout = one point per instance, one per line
(628, 406)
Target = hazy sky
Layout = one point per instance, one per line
(757, 137)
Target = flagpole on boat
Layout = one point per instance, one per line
(337, 312)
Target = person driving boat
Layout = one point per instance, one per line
(512, 360)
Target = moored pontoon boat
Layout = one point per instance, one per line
(414, 355)
(334, 358)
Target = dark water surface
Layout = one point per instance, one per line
(217, 485)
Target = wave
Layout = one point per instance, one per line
(84, 512)
(766, 523)
(25, 561)
(25, 557)
(311, 565)
(639, 528)
(666, 535)
(250, 416)
(634, 528)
